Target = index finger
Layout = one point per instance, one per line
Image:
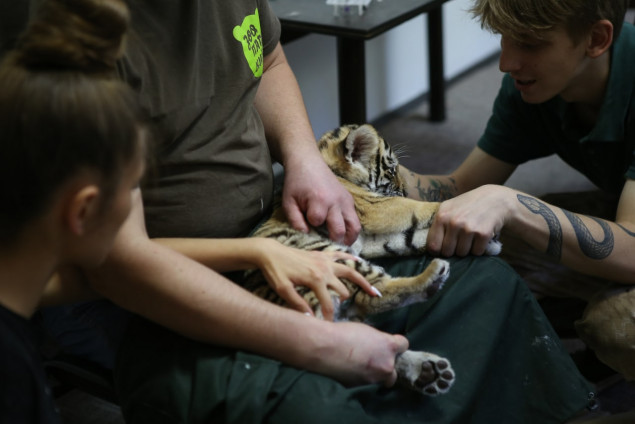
(434, 240)
(326, 301)
(391, 380)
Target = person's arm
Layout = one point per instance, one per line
(310, 189)
(478, 169)
(586, 244)
(465, 224)
(174, 291)
(283, 267)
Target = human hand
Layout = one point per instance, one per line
(313, 191)
(357, 353)
(467, 223)
(285, 267)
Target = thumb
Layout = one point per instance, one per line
(391, 380)
(401, 345)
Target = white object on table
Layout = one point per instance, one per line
(361, 4)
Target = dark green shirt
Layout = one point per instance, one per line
(518, 132)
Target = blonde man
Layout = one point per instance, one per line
(569, 90)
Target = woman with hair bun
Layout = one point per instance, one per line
(71, 156)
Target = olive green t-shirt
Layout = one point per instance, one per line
(518, 132)
(196, 66)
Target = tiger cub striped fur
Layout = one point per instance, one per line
(392, 225)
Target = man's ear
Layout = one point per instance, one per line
(82, 206)
(601, 38)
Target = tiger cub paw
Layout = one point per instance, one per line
(440, 272)
(424, 372)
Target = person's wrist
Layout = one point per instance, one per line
(511, 205)
(317, 345)
(259, 251)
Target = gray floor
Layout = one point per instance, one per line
(430, 148)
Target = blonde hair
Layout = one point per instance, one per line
(522, 19)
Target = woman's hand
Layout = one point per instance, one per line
(285, 267)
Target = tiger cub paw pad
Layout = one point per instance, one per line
(425, 372)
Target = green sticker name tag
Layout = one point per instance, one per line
(249, 35)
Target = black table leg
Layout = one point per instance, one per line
(351, 69)
(435, 59)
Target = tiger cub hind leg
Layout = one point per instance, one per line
(396, 292)
(424, 372)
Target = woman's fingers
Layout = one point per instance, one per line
(326, 302)
(324, 273)
(344, 271)
(293, 299)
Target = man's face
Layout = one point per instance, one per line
(543, 69)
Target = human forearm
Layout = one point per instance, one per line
(312, 195)
(222, 255)
(162, 285)
(172, 290)
(586, 244)
(429, 188)
(478, 169)
(465, 224)
(281, 107)
(283, 267)
(167, 288)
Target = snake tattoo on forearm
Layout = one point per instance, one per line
(554, 248)
(591, 248)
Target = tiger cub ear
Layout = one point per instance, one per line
(361, 145)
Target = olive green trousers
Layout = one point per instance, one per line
(510, 366)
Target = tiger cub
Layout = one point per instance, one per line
(392, 225)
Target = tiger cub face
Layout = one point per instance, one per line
(360, 155)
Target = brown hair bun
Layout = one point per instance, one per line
(79, 35)
(62, 109)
